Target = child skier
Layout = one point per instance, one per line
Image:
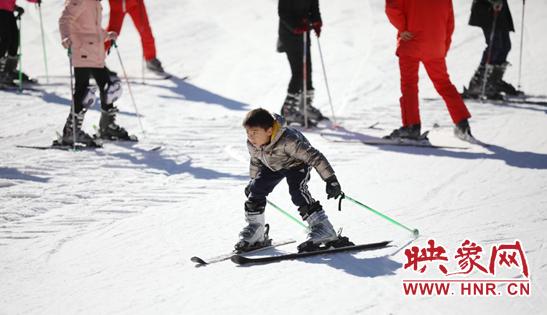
(81, 32)
(279, 152)
(424, 35)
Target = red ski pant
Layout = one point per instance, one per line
(437, 72)
(140, 19)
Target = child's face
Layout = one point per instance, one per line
(258, 136)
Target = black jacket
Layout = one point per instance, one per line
(293, 12)
(482, 15)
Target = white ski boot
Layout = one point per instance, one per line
(320, 232)
(254, 235)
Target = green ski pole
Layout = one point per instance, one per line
(43, 40)
(287, 214)
(415, 232)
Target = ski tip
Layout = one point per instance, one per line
(198, 261)
(382, 244)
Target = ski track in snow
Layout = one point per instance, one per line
(112, 230)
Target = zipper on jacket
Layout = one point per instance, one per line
(262, 153)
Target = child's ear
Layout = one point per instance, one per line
(269, 131)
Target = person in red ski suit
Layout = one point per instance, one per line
(424, 35)
(137, 11)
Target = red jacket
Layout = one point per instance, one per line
(430, 21)
(9, 5)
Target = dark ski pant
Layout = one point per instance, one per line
(266, 180)
(293, 46)
(82, 76)
(437, 72)
(9, 34)
(501, 45)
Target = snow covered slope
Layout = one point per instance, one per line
(111, 231)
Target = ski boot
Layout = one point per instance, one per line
(155, 66)
(321, 232)
(5, 78)
(475, 88)
(313, 113)
(291, 110)
(501, 85)
(254, 235)
(70, 132)
(463, 131)
(411, 132)
(109, 130)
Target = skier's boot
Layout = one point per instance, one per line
(411, 132)
(476, 86)
(462, 130)
(314, 114)
(291, 110)
(321, 233)
(25, 77)
(255, 234)
(501, 85)
(155, 66)
(71, 131)
(109, 130)
(493, 76)
(6, 67)
(474, 89)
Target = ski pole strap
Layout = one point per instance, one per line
(288, 215)
(342, 196)
(414, 231)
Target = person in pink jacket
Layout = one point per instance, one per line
(9, 40)
(424, 36)
(82, 34)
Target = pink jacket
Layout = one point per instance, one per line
(9, 5)
(81, 23)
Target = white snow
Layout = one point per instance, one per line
(111, 231)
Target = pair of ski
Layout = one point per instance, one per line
(342, 135)
(56, 145)
(243, 259)
(506, 100)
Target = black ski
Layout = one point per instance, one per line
(508, 100)
(242, 260)
(78, 147)
(371, 140)
(207, 261)
(17, 88)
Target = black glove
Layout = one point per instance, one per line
(333, 187)
(19, 11)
